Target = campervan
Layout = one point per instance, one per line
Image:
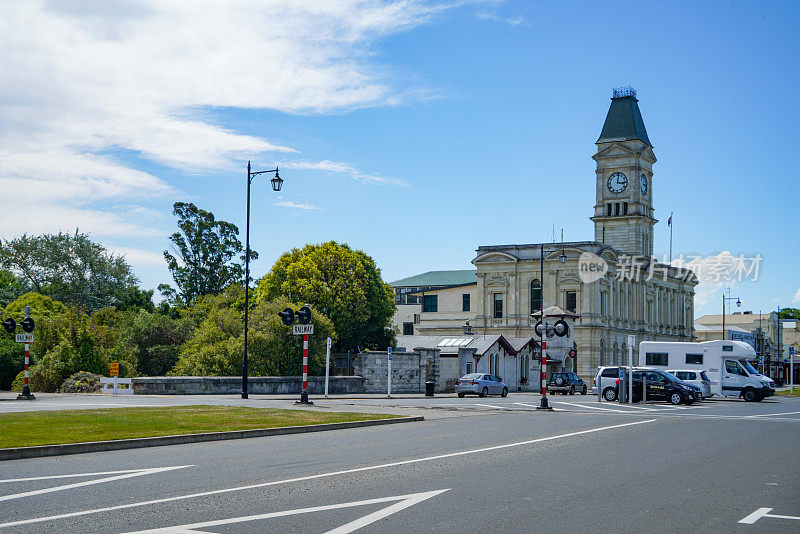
(725, 362)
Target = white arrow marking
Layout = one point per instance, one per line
(405, 502)
(763, 512)
(136, 473)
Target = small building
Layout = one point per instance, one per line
(451, 292)
(514, 360)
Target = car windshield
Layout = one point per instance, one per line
(749, 367)
(669, 377)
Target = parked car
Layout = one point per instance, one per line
(566, 383)
(480, 384)
(663, 386)
(698, 379)
(606, 379)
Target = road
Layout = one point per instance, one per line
(491, 464)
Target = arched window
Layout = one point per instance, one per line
(536, 295)
(603, 353)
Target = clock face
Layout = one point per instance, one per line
(644, 184)
(617, 182)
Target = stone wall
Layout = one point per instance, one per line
(410, 370)
(257, 385)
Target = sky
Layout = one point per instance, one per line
(415, 131)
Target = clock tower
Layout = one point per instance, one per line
(623, 211)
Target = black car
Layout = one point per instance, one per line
(566, 383)
(664, 386)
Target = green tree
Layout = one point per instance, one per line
(205, 251)
(217, 346)
(70, 268)
(11, 287)
(789, 313)
(157, 340)
(344, 284)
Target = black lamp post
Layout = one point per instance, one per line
(276, 182)
(738, 304)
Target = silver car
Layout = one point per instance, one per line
(698, 379)
(482, 384)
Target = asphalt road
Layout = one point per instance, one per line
(493, 465)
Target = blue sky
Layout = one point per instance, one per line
(415, 131)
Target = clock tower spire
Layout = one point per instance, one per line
(623, 211)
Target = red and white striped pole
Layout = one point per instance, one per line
(304, 395)
(544, 405)
(26, 389)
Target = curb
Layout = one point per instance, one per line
(158, 441)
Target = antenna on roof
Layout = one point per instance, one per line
(620, 92)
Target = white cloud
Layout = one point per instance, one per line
(139, 257)
(512, 21)
(84, 81)
(290, 204)
(796, 298)
(344, 168)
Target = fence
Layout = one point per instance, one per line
(111, 386)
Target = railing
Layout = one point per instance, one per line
(111, 386)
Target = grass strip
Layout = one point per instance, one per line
(787, 394)
(27, 429)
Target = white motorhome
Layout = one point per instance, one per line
(725, 363)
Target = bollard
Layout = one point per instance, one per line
(26, 389)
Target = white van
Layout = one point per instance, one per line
(725, 363)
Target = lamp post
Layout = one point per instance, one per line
(724, 298)
(277, 183)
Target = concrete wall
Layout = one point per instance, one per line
(410, 371)
(229, 385)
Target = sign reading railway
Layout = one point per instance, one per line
(303, 329)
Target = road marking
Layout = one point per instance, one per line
(320, 475)
(70, 476)
(135, 473)
(405, 502)
(526, 405)
(592, 407)
(492, 406)
(763, 512)
(771, 414)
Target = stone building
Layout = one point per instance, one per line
(612, 282)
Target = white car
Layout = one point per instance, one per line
(696, 378)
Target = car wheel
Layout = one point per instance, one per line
(675, 398)
(583, 391)
(460, 395)
(750, 395)
(485, 392)
(505, 392)
(572, 390)
(610, 394)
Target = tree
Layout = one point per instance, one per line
(204, 252)
(157, 340)
(344, 284)
(11, 287)
(789, 313)
(70, 268)
(216, 347)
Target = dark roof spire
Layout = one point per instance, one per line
(624, 120)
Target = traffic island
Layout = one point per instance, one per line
(79, 431)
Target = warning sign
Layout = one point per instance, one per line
(114, 368)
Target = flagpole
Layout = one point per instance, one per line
(670, 238)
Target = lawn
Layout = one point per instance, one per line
(76, 426)
(787, 394)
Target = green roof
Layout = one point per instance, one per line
(624, 121)
(438, 278)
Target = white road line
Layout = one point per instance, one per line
(405, 502)
(491, 406)
(71, 476)
(526, 405)
(764, 512)
(318, 476)
(138, 472)
(771, 414)
(589, 406)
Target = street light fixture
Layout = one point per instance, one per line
(467, 329)
(277, 183)
(738, 304)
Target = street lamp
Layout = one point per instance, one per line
(738, 304)
(467, 329)
(277, 183)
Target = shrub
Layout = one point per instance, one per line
(81, 382)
